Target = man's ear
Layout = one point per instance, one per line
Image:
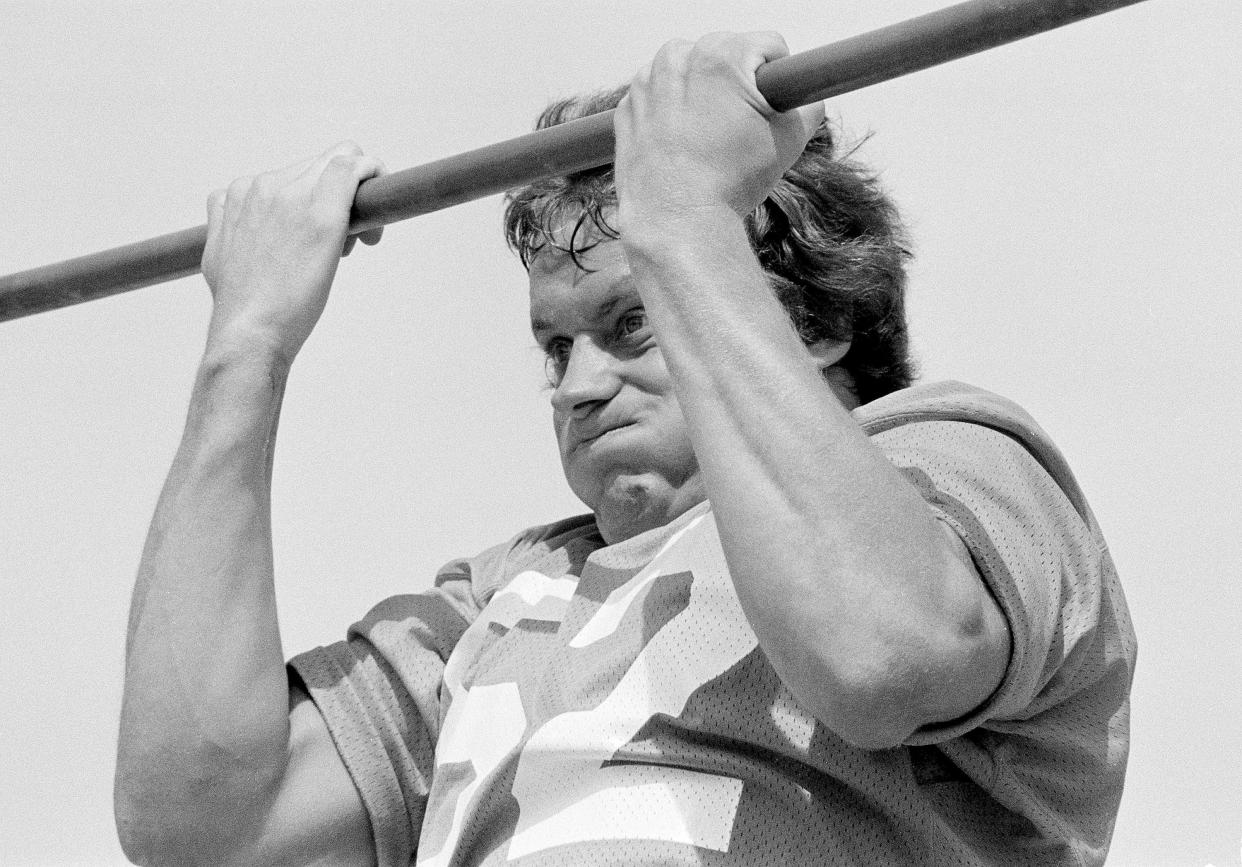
(828, 352)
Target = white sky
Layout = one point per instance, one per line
(1074, 199)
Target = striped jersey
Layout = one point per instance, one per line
(558, 701)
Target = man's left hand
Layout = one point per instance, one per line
(695, 133)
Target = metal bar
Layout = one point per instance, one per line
(928, 40)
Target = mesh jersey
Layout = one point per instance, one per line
(553, 701)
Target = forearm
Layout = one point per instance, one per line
(204, 724)
(858, 596)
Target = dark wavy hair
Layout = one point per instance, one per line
(828, 238)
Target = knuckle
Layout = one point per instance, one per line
(706, 54)
(673, 51)
(239, 187)
(265, 186)
(771, 44)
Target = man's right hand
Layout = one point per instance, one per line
(273, 244)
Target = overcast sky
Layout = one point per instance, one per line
(1075, 204)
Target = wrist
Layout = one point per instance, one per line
(236, 345)
(242, 363)
(231, 421)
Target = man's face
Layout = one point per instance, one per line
(623, 438)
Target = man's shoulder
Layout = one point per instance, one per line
(989, 426)
(947, 400)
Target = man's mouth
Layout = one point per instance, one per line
(587, 440)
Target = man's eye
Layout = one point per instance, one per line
(632, 323)
(556, 359)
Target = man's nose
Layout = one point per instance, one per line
(590, 378)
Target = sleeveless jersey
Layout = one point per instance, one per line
(556, 701)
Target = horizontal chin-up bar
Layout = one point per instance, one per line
(919, 43)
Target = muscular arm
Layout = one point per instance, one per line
(868, 608)
(217, 762)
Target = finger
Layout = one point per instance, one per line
(664, 70)
(294, 170)
(215, 220)
(313, 164)
(338, 183)
(746, 49)
(796, 127)
(744, 53)
(349, 245)
(234, 205)
(371, 237)
(622, 118)
(672, 53)
(370, 167)
(763, 47)
(215, 207)
(769, 44)
(347, 149)
(235, 195)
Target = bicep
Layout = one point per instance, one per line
(317, 815)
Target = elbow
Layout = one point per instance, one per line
(145, 838)
(915, 691)
(136, 826)
(142, 847)
(878, 700)
(155, 837)
(868, 712)
(161, 822)
(136, 847)
(865, 699)
(927, 673)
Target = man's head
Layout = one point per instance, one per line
(833, 252)
(827, 236)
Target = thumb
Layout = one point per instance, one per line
(811, 116)
(794, 129)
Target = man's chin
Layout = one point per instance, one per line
(635, 490)
(613, 487)
(627, 503)
(629, 507)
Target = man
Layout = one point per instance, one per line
(813, 617)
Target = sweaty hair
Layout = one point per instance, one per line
(827, 237)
